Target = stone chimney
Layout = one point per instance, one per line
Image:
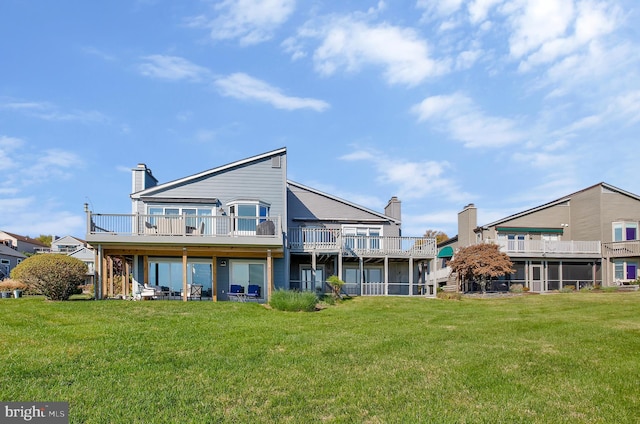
(394, 208)
(467, 222)
(142, 178)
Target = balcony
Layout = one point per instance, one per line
(334, 241)
(188, 229)
(549, 248)
(621, 249)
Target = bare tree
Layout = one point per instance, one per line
(480, 262)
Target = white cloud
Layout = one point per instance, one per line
(479, 9)
(32, 217)
(245, 87)
(548, 31)
(413, 179)
(439, 7)
(172, 68)
(51, 112)
(457, 116)
(350, 43)
(249, 21)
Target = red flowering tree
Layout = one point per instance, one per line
(480, 262)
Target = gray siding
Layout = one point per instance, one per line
(256, 180)
(586, 220)
(307, 207)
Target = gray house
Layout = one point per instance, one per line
(9, 259)
(243, 227)
(586, 238)
(20, 243)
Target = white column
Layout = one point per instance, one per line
(410, 276)
(386, 275)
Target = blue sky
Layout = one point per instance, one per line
(504, 103)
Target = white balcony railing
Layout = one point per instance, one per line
(619, 249)
(560, 247)
(183, 225)
(323, 239)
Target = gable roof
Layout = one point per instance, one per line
(7, 251)
(25, 239)
(562, 200)
(68, 238)
(203, 174)
(340, 200)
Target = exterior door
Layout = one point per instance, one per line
(536, 278)
(306, 278)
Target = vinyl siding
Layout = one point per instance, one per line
(256, 180)
(308, 207)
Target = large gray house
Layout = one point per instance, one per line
(586, 238)
(244, 227)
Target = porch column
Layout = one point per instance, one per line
(560, 275)
(214, 281)
(269, 274)
(339, 265)
(125, 278)
(111, 277)
(105, 278)
(314, 265)
(386, 275)
(97, 284)
(145, 271)
(410, 275)
(361, 266)
(184, 274)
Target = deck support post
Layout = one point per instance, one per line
(184, 274)
(410, 275)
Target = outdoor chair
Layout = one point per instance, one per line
(194, 291)
(253, 292)
(236, 293)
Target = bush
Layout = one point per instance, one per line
(11, 285)
(54, 275)
(293, 301)
(516, 288)
(568, 289)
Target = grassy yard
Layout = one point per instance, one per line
(565, 358)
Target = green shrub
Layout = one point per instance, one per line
(567, 289)
(293, 301)
(516, 288)
(610, 289)
(54, 275)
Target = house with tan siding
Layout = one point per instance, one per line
(584, 239)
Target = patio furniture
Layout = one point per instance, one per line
(236, 293)
(253, 292)
(194, 291)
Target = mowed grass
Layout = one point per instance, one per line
(565, 358)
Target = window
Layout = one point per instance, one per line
(625, 270)
(248, 215)
(623, 231)
(514, 242)
(193, 217)
(362, 238)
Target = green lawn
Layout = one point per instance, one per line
(571, 358)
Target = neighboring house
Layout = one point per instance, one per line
(78, 249)
(245, 224)
(21, 243)
(9, 259)
(583, 239)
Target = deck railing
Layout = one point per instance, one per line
(620, 249)
(183, 225)
(548, 246)
(333, 240)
